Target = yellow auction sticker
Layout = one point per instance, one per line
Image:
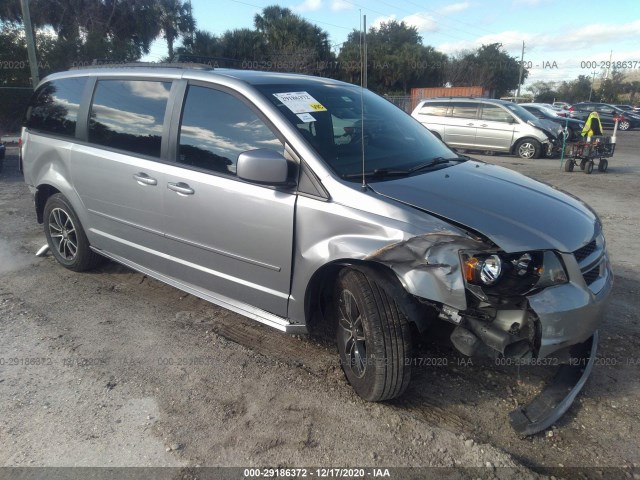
(300, 102)
(318, 107)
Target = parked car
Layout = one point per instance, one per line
(607, 113)
(487, 125)
(572, 126)
(562, 105)
(626, 108)
(232, 186)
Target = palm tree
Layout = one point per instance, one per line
(175, 19)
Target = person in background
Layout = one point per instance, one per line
(592, 126)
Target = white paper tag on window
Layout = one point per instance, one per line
(300, 102)
(306, 117)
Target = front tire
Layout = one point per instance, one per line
(568, 165)
(528, 149)
(588, 167)
(603, 165)
(373, 337)
(66, 237)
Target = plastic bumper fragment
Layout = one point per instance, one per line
(558, 396)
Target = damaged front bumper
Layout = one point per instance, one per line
(552, 403)
(558, 321)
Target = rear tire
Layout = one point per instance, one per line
(66, 237)
(373, 337)
(528, 149)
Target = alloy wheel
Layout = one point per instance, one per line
(63, 234)
(352, 334)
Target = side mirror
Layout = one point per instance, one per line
(263, 166)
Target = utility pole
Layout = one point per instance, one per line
(606, 77)
(521, 68)
(31, 44)
(593, 79)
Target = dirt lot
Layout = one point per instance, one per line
(111, 368)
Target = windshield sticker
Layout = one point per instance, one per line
(306, 117)
(300, 102)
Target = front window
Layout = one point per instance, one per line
(217, 127)
(341, 126)
(521, 113)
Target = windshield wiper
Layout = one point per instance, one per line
(378, 173)
(436, 161)
(386, 172)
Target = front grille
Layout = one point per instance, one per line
(592, 275)
(585, 251)
(590, 258)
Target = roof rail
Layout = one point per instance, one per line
(197, 66)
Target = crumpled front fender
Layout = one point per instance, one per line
(429, 266)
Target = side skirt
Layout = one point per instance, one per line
(241, 308)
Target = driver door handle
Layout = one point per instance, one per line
(181, 188)
(144, 179)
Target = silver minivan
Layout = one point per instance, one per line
(309, 204)
(488, 125)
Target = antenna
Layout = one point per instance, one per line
(363, 73)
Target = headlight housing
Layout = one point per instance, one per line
(513, 274)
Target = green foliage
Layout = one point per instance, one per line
(83, 32)
(281, 41)
(397, 60)
(489, 66)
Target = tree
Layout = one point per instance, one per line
(612, 87)
(632, 88)
(490, 67)
(88, 30)
(175, 20)
(396, 61)
(544, 92)
(245, 46)
(292, 43)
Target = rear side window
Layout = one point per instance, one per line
(129, 115)
(464, 110)
(434, 109)
(216, 127)
(54, 106)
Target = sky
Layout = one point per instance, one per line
(563, 38)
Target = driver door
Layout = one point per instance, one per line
(226, 237)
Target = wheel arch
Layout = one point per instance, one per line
(43, 193)
(319, 293)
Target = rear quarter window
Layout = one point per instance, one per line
(54, 106)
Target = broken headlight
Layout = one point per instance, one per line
(513, 274)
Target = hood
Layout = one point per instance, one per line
(516, 212)
(550, 129)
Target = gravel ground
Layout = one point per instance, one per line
(111, 368)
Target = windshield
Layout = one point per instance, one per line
(522, 113)
(330, 118)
